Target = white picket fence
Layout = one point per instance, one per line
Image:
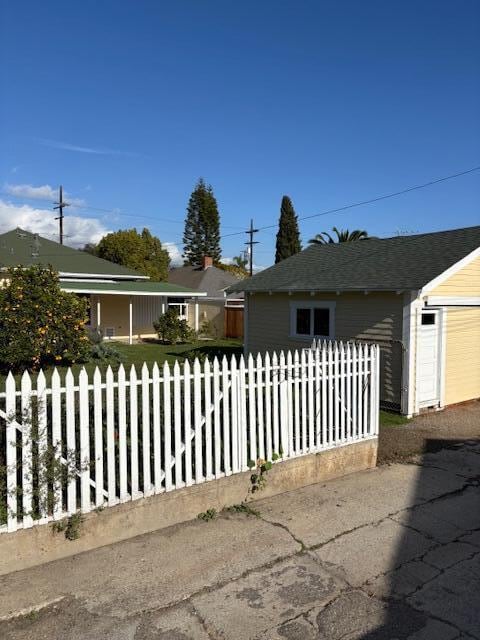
(125, 438)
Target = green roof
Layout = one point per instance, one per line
(390, 264)
(19, 247)
(139, 288)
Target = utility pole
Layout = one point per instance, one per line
(250, 244)
(60, 205)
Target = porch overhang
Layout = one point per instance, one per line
(132, 288)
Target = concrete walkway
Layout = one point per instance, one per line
(388, 553)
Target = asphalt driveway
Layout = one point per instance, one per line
(389, 553)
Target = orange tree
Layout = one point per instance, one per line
(40, 324)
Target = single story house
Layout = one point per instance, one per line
(223, 311)
(417, 296)
(123, 303)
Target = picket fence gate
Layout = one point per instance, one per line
(123, 438)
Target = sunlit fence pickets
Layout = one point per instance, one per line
(77, 444)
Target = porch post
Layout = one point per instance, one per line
(196, 314)
(99, 313)
(163, 306)
(130, 320)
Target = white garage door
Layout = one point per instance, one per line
(428, 362)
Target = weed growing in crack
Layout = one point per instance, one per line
(209, 514)
(70, 526)
(243, 508)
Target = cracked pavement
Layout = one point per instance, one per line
(393, 552)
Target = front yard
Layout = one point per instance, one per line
(152, 351)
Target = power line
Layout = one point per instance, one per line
(372, 200)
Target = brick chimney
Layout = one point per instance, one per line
(207, 261)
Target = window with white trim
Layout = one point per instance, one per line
(310, 320)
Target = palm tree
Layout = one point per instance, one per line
(343, 235)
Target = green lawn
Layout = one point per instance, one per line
(390, 419)
(152, 351)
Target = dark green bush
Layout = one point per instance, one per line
(171, 329)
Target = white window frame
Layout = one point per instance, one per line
(309, 304)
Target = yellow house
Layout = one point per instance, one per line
(123, 303)
(417, 296)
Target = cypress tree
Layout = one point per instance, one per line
(202, 226)
(288, 236)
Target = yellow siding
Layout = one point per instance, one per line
(465, 282)
(462, 358)
(208, 311)
(376, 317)
(114, 313)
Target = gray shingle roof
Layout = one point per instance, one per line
(403, 262)
(17, 247)
(212, 280)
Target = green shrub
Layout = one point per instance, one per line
(208, 329)
(171, 329)
(40, 324)
(100, 350)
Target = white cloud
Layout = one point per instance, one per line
(176, 259)
(43, 192)
(78, 231)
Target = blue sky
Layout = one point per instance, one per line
(128, 103)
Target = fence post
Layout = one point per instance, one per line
(207, 390)
(275, 413)
(84, 427)
(187, 399)
(311, 403)
(268, 406)
(217, 440)
(252, 418)
(260, 396)
(226, 387)
(147, 473)
(234, 395)
(27, 460)
(122, 433)
(177, 425)
(110, 400)
(242, 416)
(197, 397)
(98, 427)
(42, 446)
(134, 475)
(303, 394)
(283, 408)
(11, 454)
(157, 438)
(167, 427)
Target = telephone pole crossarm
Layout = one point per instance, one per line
(60, 206)
(250, 244)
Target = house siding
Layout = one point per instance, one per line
(462, 358)
(465, 282)
(376, 317)
(208, 311)
(462, 342)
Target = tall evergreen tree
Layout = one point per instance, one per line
(288, 236)
(202, 226)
